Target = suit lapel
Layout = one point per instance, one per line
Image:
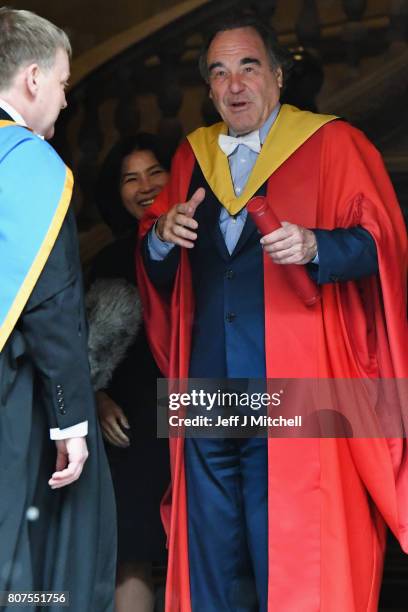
(249, 227)
(211, 221)
(208, 216)
(208, 213)
(248, 230)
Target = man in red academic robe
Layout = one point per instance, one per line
(279, 524)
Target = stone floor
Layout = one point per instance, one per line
(394, 594)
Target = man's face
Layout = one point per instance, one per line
(50, 96)
(243, 85)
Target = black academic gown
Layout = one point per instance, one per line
(61, 540)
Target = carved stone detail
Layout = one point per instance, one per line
(398, 30)
(90, 142)
(354, 32)
(308, 25)
(127, 113)
(170, 95)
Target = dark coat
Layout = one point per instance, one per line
(141, 472)
(62, 540)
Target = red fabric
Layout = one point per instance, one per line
(168, 328)
(328, 498)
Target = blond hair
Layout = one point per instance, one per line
(25, 38)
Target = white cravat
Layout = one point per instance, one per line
(228, 144)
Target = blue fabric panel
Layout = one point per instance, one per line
(29, 197)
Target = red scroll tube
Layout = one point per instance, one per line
(266, 221)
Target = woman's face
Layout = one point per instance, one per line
(142, 178)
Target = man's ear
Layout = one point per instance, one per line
(32, 78)
(210, 94)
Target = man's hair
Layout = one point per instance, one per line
(25, 38)
(278, 57)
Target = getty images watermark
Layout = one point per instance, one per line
(214, 401)
(282, 408)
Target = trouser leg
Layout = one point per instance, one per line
(221, 577)
(254, 474)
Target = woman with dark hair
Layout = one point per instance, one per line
(124, 372)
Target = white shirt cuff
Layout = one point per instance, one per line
(79, 430)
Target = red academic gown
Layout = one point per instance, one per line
(329, 499)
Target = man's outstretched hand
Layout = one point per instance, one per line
(178, 225)
(71, 456)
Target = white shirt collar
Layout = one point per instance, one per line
(10, 110)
